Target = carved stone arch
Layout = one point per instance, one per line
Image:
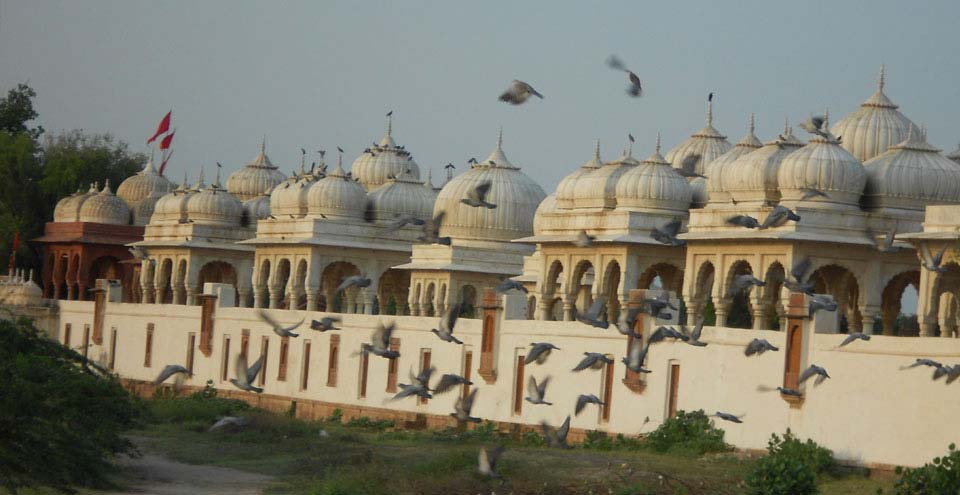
(611, 285)
(890, 305)
(739, 309)
(551, 284)
(670, 276)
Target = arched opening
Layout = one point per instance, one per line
(73, 280)
(280, 281)
(428, 300)
(740, 311)
(180, 282)
(556, 309)
(703, 294)
(468, 301)
(772, 305)
(581, 286)
(165, 287)
(553, 282)
(104, 267)
(898, 307)
(839, 282)
(944, 283)
(393, 288)
(531, 307)
(218, 272)
(611, 290)
(331, 277)
(662, 276)
(61, 276)
(300, 286)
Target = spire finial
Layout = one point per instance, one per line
(826, 118)
(200, 184)
(883, 77)
(596, 151)
(151, 154)
(923, 131)
(263, 145)
(786, 124)
(106, 186)
(184, 185)
(709, 112)
(753, 122)
(500, 138)
(429, 182)
(658, 141)
(217, 183)
(340, 159)
(389, 123)
(909, 133)
(303, 163)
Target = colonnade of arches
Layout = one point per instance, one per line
(71, 275)
(433, 298)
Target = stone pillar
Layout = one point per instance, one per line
(275, 295)
(868, 314)
(312, 294)
(243, 297)
(721, 310)
(191, 299)
(758, 317)
(927, 325)
(259, 296)
(177, 294)
(543, 308)
(369, 298)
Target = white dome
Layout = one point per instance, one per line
(707, 143)
(654, 186)
(566, 189)
(753, 177)
(214, 206)
(172, 207)
(911, 175)
(874, 127)
(516, 196)
(255, 178)
(68, 209)
(290, 196)
(402, 196)
(826, 166)
(142, 211)
(143, 184)
(377, 164)
(548, 205)
(106, 208)
(598, 188)
(336, 195)
(714, 170)
(256, 209)
(955, 154)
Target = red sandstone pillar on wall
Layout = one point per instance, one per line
(798, 314)
(633, 380)
(490, 340)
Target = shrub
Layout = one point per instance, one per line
(941, 477)
(336, 416)
(196, 408)
(789, 468)
(532, 439)
(60, 421)
(690, 433)
(365, 422)
(597, 440)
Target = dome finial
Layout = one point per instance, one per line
(500, 139)
(184, 186)
(106, 187)
(390, 123)
(429, 182)
(339, 171)
(200, 184)
(658, 139)
(596, 150)
(883, 77)
(263, 145)
(826, 118)
(710, 112)
(753, 122)
(216, 184)
(786, 124)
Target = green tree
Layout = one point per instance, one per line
(21, 203)
(16, 110)
(60, 422)
(73, 160)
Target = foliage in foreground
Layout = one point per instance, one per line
(687, 433)
(940, 477)
(790, 467)
(60, 425)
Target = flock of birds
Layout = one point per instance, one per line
(659, 306)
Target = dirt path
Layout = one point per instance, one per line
(156, 475)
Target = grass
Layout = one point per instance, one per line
(368, 457)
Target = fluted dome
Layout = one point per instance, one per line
(824, 165)
(874, 127)
(548, 205)
(336, 195)
(377, 164)
(142, 210)
(753, 177)
(911, 175)
(290, 197)
(255, 178)
(516, 196)
(256, 209)
(714, 191)
(68, 209)
(105, 207)
(214, 206)
(654, 186)
(566, 189)
(955, 154)
(143, 184)
(172, 207)
(598, 188)
(707, 143)
(402, 196)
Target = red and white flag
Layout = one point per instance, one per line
(165, 142)
(163, 164)
(162, 128)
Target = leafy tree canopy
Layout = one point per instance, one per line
(17, 109)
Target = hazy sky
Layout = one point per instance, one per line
(322, 74)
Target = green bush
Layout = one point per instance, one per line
(789, 468)
(336, 416)
(60, 421)
(197, 408)
(941, 477)
(597, 440)
(688, 433)
(365, 422)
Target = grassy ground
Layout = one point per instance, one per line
(371, 459)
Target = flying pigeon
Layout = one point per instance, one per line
(592, 316)
(535, 393)
(277, 327)
(447, 321)
(539, 351)
(245, 375)
(518, 93)
(593, 360)
(477, 196)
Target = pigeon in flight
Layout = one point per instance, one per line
(277, 327)
(668, 234)
(745, 221)
(729, 417)
(654, 306)
(477, 196)
(245, 375)
(795, 283)
(419, 386)
(744, 282)
(539, 351)
(584, 240)
(401, 221)
(447, 321)
(923, 362)
(234, 423)
(518, 93)
(811, 371)
(636, 356)
(814, 125)
(626, 327)
(556, 439)
(758, 347)
(822, 301)
(854, 336)
(463, 406)
(778, 216)
(487, 463)
(887, 246)
(688, 167)
(358, 281)
(508, 285)
(380, 341)
(431, 231)
(663, 332)
(448, 381)
(535, 393)
(593, 360)
(325, 323)
(931, 262)
(635, 89)
(170, 370)
(585, 399)
(592, 316)
(695, 334)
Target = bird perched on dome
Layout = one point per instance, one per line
(518, 93)
(477, 196)
(745, 221)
